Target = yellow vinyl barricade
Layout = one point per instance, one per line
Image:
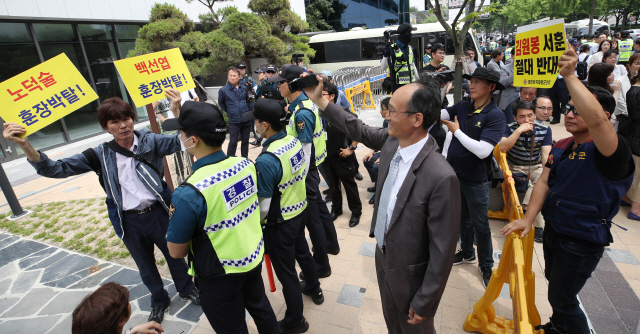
(514, 269)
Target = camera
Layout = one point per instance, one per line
(297, 58)
(443, 76)
(251, 95)
(388, 33)
(301, 83)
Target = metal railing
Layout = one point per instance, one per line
(362, 85)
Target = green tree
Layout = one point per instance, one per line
(212, 21)
(522, 11)
(169, 28)
(316, 12)
(457, 30)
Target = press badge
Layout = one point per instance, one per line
(297, 161)
(239, 192)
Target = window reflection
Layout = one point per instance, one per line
(127, 31)
(54, 32)
(95, 32)
(50, 135)
(83, 122)
(14, 33)
(15, 59)
(73, 51)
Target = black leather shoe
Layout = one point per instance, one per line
(193, 296)
(372, 200)
(359, 177)
(335, 214)
(255, 143)
(371, 189)
(157, 312)
(303, 327)
(328, 198)
(326, 192)
(320, 275)
(354, 221)
(333, 251)
(317, 298)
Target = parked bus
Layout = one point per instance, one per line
(581, 27)
(365, 47)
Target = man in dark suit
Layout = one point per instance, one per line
(417, 206)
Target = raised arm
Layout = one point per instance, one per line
(601, 131)
(354, 128)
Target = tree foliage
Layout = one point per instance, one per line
(212, 21)
(316, 12)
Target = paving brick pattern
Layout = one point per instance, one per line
(41, 285)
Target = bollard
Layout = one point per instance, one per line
(10, 195)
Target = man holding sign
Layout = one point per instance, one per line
(130, 169)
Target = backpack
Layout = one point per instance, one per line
(582, 69)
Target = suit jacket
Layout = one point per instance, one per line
(493, 65)
(510, 93)
(424, 227)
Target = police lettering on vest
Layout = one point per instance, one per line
(231, 241)
(290, 197)
(403, 65)
(626, 49)
(319, 142)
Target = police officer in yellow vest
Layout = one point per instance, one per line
(398, 59)
(508, 51)
(306, 125)
(626, 48)
(492, 43)
(215, 221)
(283, 202)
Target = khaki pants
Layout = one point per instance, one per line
(536, 172)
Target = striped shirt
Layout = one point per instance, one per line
(520, 153)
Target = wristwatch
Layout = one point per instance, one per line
(351, 147)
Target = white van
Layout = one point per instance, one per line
(365, 47)
(581, 27)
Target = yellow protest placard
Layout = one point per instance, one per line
(147, 76)
(537, 51)
(44, 94)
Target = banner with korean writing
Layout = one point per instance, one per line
(537, 51)
(44, 94)
(147, 76)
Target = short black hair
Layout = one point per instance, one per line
(624, 34)
(470, 48)
(523, 105)
(535, 101)
(331, 89)
(211, 139)
(385, 102)
(233, 68)
(436, 47)
(637, 41)
(585, 48)
(495, 53)
(426, 100)
(606, 99)
(277, 127)
(609, 53)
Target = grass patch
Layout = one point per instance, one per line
(80, 235)
(161, 262)
(58, 238)
(103, 228)
(36, 224)
(90, 239)
(65, 230)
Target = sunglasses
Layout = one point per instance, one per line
(568, 109)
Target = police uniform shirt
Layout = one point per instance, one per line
(188, 210)
(260, 89)
(269, 169)
(304, 122)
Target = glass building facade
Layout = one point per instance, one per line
(91, 47)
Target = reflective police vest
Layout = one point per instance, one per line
(231, 241)
(507, 54)
(581, 202)
(492, 45)
(319, 137)
(625, 48)
(402, 68)
(291, 189)
(426, 60)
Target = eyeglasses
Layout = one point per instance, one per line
(569, 108)
(401, 112)
(325, 94)
(541, 108)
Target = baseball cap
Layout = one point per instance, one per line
(287, 73)
(405, 28)
(241, 66)
(573, 41)
(266, 110)
(271, 68)
(328, 73)
(199, 116)
(260, 70)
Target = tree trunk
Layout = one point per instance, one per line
(504, 23)
(593, 9)
(625, 14)
(248, 62)
(457, 86)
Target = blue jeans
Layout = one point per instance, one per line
(568, 265)
(475, 216)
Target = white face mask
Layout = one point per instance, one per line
(255, 128)
(186, 148)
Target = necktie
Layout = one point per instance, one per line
(381, 220)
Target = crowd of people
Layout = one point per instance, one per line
(430, 163)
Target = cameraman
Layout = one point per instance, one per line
(234, 99)
(244, 78)
(298, 60)
(398, 58)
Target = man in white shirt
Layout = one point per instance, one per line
(420, 233)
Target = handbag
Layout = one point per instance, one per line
(521, 180)
(494, 173)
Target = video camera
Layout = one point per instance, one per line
(297, 58)
(442, 76)
(251, 95)
(388, 33)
